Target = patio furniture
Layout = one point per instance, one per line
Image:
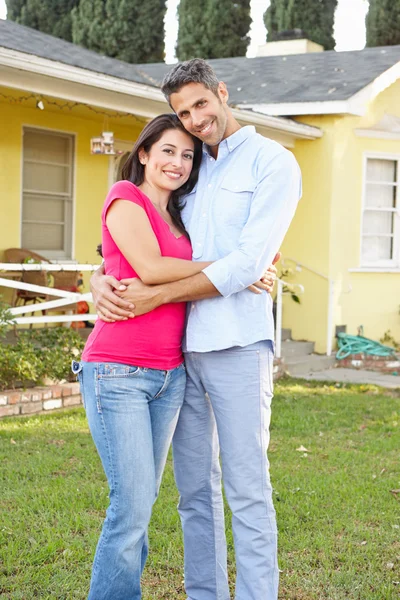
(63, 280)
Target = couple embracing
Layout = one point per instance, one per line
(203, 207)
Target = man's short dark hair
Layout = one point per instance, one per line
(196, 70)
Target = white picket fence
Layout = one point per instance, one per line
(63, 297)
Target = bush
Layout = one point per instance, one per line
(39, 354)
(6, 319)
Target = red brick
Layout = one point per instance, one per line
(32, 407)
(66, 391)
(14, 397)
(8, 411)
(72, 400)
(56, 391)
(75, 388)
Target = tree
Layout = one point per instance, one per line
(192, 33)
(48, 16)
(383, 23)
(314, 17)
(213, 28)
(228, 27)
(130, 30)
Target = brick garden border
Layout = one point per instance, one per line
(388, 366)
(39, 400)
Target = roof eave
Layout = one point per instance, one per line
(356, 105)
(298, 130)
(49, 74)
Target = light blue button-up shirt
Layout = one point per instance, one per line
(237, 215)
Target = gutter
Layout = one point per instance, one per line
(22, 61)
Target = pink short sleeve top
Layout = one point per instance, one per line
(152, 340)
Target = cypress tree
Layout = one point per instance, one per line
(48, 16)
(383, 23)
(88, 25)
(130, 30)
(192, 33)
(213, 28)
(314, 17)
(228, 28)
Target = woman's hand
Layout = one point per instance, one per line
(108, 305)
(267, 281)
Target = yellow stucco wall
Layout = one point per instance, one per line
(325, 234)
(91, 172)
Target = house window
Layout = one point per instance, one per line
(381, 219)
(47, 185)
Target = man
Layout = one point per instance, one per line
(237, 216)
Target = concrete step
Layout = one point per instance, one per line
(291, 348)
(299, 366)
(286, 334)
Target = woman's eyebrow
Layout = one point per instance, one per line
(173, 146)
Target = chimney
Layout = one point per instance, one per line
(293, 41)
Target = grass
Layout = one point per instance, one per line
(337, 505)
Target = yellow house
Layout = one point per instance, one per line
(338, 112)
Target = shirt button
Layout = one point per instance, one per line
(211, 158)
(192, 306)
(204, 215)
(209, 185)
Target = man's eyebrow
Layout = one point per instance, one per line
(193, 105)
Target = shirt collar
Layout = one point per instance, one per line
(234, 140)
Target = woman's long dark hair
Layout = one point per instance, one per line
(133, 170)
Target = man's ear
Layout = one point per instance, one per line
(223, 92)
(142, 156)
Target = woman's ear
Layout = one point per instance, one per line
(142, 156)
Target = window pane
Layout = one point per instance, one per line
(377, 248)
(48, 171)
(380, 196)
(378, 222)
(381, 170)
(43, 237)
(46, 178)
(43, 208)
(39, 145)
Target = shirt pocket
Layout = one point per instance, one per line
(234, 200)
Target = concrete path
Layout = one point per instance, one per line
(354, 376)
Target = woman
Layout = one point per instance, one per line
(132, 374)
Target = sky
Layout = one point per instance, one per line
(349, 31)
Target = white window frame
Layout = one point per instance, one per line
(67, 254)
(393, 263)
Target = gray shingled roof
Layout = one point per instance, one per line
(25, 39)
(316, 77)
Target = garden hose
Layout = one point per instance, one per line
(357, 344)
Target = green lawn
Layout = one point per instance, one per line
(338, 505)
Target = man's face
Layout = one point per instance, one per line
(201, 112)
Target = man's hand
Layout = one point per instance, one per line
(109, 306)
(267, 281)
(142, 298)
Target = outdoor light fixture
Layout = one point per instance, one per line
(39, 104)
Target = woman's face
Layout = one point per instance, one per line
(169, 162)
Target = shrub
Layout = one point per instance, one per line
(39, 354)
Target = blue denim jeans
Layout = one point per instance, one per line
(132, 414)
(232, 421)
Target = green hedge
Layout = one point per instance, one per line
(39, 354)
